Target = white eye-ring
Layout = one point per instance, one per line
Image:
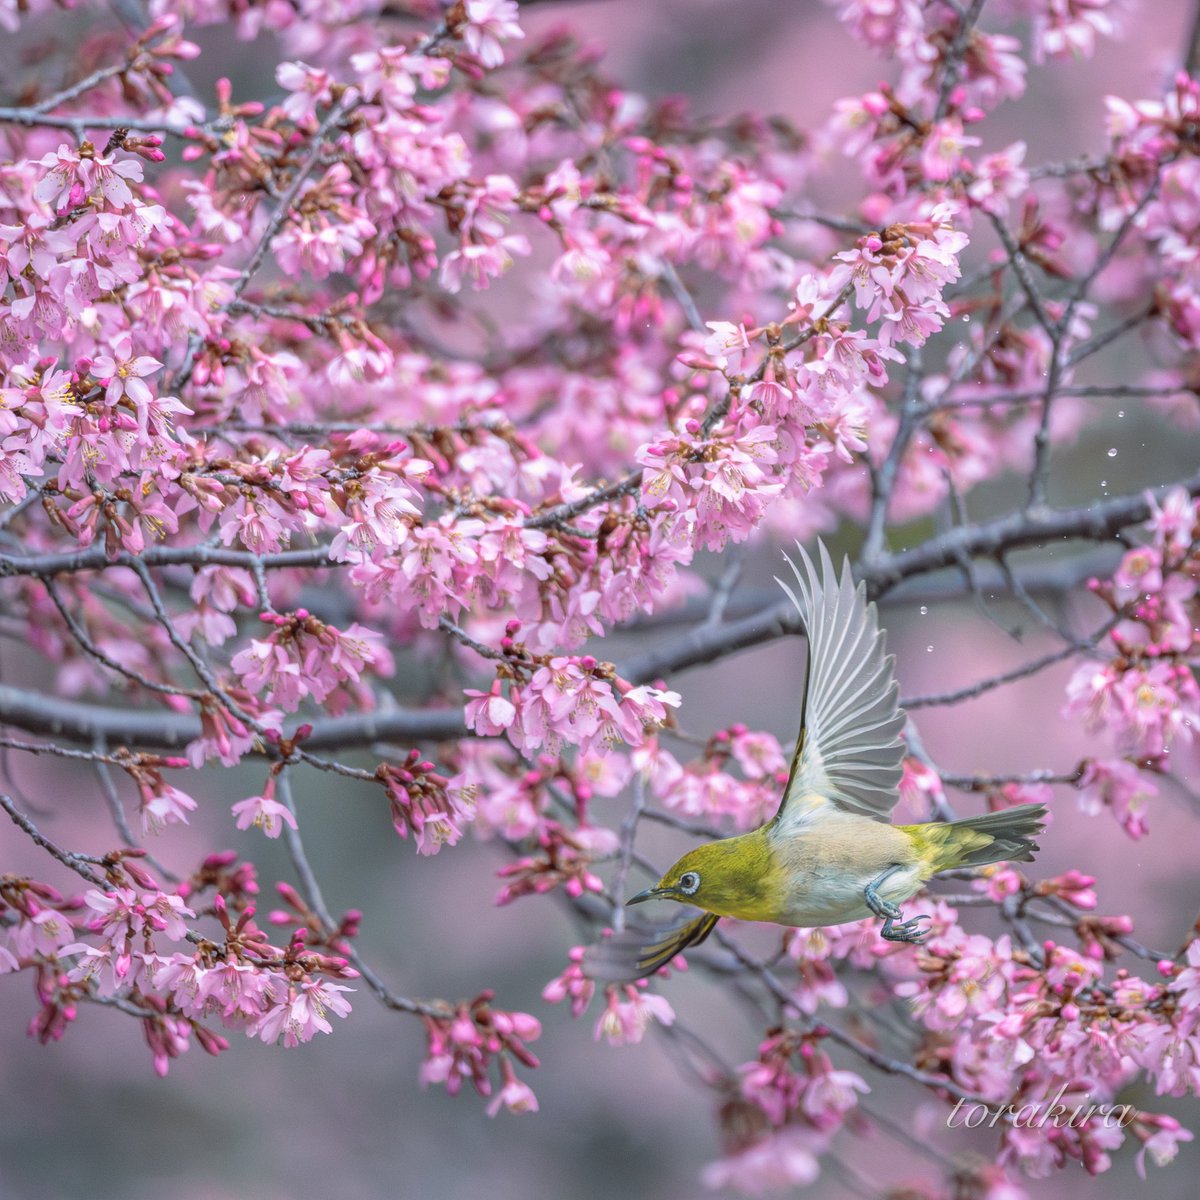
(689, 883)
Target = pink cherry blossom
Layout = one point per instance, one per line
(629, 1012)
(264, 812)
(122, 372)
(490, 22)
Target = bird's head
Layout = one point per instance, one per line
(729, 877)
(684, 882)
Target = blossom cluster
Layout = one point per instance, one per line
(1143, 691)
(135, 951)
(462, 1047)
(1023, 1021)
(785, 1107)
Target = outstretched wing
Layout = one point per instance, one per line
(634, 953)
(849, 752)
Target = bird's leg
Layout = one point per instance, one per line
(882, 908)
(894, 930)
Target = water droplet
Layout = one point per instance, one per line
(1120, 412)
(924, 609)
(1112, 452)
(928, 649)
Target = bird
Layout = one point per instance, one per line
(830, 854)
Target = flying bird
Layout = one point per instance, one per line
(830, 854)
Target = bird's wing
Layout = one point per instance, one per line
(849, 751)
(634, 953)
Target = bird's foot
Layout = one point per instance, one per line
(885, 910)
(905, 931)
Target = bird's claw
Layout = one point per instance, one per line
(906, 931)
(884, 909)
(894, 930)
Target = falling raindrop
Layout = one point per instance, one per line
(924, 609)
(928, 649)
(1112, 452)
(1120, 412)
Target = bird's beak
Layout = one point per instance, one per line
(650, 893)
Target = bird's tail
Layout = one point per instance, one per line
(1004, 836)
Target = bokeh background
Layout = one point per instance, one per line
(344, 1116)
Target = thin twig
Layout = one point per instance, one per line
(627, 834)
(115, 807)
(1022, 672)
(89, 647)
(69, 858)
(683, 296)
(954, 56)
(883, 481)
(309, 886)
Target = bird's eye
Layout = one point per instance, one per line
(689, 883)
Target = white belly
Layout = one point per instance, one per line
(835, 896)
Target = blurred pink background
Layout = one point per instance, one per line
(344, 1116)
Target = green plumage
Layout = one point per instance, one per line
(1004, 836)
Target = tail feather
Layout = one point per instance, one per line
(1003, 836)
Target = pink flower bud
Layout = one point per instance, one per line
(212, 1043)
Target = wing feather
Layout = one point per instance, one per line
(849, 751)
(635, 953)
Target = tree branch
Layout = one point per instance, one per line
(162, 729)
(83, 722)
(987, 539)
(95, 559)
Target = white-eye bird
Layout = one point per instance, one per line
(830, 855)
